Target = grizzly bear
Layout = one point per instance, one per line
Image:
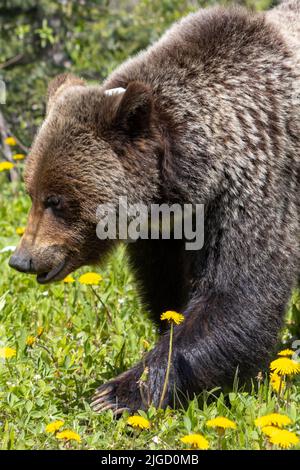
(207, 115)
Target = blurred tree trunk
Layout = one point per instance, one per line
(6, 150)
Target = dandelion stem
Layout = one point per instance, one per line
(221, 433)
(280, 387)
(288, 394)
(279, 392)
(103, 305)
(168, 368)
(48, 351)
(65, 301)
(9, 367)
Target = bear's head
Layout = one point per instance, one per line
(94, 147)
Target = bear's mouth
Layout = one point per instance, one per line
(53, 275)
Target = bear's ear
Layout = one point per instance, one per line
(59, 83)
(130, 109)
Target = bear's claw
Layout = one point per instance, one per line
(103, 401)
(101, 393)
(119, 395)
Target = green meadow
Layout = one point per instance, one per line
(57, 342)
(65, 346)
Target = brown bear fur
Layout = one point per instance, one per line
(210, 115)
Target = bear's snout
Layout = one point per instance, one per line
(49, 265)
(22, 261)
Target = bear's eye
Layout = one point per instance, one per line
(54, 202)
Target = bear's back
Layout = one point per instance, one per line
(226, 82)
(214, 45)
(286, 18)
(211, 56)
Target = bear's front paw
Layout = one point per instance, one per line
(124, 393)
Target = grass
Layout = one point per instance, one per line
(78, 349)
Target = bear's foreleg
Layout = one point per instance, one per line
(221, 335)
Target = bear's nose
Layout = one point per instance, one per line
(21, 261)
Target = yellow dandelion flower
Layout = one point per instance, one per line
(276, 382)
(68, 435)
(20, 231)
(138, 422)
(39, 331)
(284, 438)
(196, 440)
(146, 344)
(285, 366)
(10, 141)
(54, 426)
(30, 340)
(221, 422)
(273, 419)
(286, 352)
(269, 430)
(91, 279)
(6, 353)
(18, 156)
(6, 166)
(69, 280)
(171, 316)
